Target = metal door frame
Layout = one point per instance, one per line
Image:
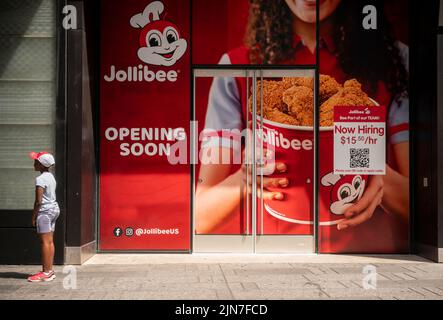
(254, 243)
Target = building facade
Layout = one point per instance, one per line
(149, 108)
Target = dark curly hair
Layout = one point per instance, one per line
(367, 55)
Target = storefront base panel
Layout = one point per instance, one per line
(430, 252)
(79, 255)
(245, 244)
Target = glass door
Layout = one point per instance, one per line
(222, 162)
(253, 161)
(284, 120)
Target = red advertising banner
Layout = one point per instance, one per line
(360, 140)
(144, 113)
(367, 61)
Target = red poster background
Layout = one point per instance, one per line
(142, 191)
(148, 192)
(219, 27)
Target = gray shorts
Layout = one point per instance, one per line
(46, 220)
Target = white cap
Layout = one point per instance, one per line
(45, 158)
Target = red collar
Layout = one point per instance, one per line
(326, 42)
(297, 41)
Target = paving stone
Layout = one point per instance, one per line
(305, 284)
(250, 286)
(179, 295)
(435, 283)
(404, 276)
(350, 284)
(97, 295)
(181, 286)
(265, 277)
(205, 279)
(9, 288)
(388, 276)
(280, 294)
(316, 271)
(78, 295)
(171, 279)
(298, 270)
(337, 293)
(218, 278)
(424, 276)
(235, 286)
(224, 294)
(349, 270)
(336, 277)
(383, 268)
(436, 291)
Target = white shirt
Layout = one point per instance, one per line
(47, 181)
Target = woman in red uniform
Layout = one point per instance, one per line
(284, 32)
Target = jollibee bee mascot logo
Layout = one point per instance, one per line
(160, 40)
(345, 191)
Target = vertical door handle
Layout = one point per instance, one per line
(261, 152)
(248, 213)
(254, 159)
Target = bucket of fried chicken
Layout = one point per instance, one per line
(288, 133)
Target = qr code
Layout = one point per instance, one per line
(359, 158)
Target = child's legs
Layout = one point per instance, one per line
(45, 228)
(47, 244)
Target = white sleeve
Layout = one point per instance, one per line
(404, 53)
(399, 121)
(224, 110)
(40, 182)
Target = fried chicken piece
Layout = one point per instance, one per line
(280, 117)
(300, 102)
(350, 95)
(272, 97)
(326, 119)
(306, 119)
(339, 99)
(354, 87)
(353, 83)
(328, 87)
(298, 82)
(298, 99)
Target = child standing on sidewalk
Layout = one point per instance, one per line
(45, 214)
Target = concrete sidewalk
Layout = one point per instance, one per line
(136, 276)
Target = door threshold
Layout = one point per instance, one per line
(242, 244)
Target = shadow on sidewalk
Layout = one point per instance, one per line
(13, 275)
(392, 257)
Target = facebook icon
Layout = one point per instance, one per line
(118, 232)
